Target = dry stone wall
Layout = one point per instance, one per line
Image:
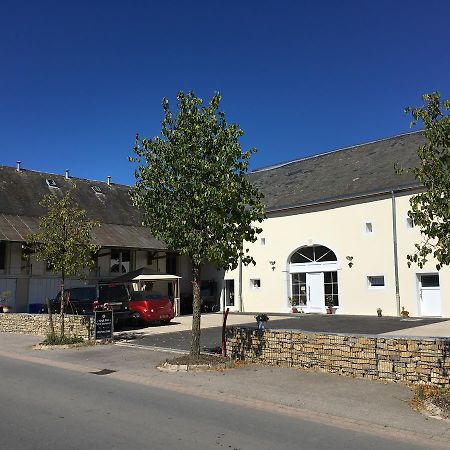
(38, 324)
(383, 358)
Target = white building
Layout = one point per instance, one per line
(337, 231)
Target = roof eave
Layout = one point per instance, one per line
(345, 198)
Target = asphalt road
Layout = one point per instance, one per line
(211, 337)
(45, 407)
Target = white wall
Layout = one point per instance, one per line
(340, 227)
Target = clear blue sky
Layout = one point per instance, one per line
(78, 79)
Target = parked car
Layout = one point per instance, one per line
(149, 306)
(85, 300)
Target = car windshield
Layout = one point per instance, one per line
(81, 293)
(113, 293)
(146, 295)
(85, 293)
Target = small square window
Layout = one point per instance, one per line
(263, 241)
(369, 227)
(409, 222)
(376, 281)
(255, 283)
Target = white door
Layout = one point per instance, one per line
(229, 295)
(315, 292)
(430, 295)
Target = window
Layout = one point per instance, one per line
(263, 241)
(299, 289)
(330, 283)
(315, 253)
(120, 261)
(409, 223)
(376, 281)
(255, 283)
(97, 189)
(2, 255)
(51, 183)
(369, 227)
(429, 280)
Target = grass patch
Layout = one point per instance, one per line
(213, 361)
(55, 339)
(432, 399)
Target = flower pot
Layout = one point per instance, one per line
(6, 308)
(329, 310)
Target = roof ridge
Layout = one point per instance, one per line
(293, 161)
(63, 176)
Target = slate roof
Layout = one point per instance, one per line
(357, 171)
(21, 192)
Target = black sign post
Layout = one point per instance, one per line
(104, 325)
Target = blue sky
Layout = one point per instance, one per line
(79, 79)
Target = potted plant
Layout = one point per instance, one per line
(329, 303)
(4, 305)
(404, 312)
(261, 320)
(294, 304)
(379, 312)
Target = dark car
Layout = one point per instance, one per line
(150, 306)
(86, 299)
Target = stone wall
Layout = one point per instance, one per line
(38, 324)
(396, 359)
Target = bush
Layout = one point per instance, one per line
(55, 339)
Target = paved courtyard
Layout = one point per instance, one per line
(178, 335)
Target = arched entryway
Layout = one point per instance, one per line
(314, 278)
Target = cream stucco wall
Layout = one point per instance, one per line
(342, 228)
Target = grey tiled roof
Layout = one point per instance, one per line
(21, 192)
(342, 174)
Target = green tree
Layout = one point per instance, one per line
(193, 192)
(430, 209)
(63, 241)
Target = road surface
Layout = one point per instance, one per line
(43, 407)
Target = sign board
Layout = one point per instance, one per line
(104, 324)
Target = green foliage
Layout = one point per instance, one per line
(191, 184)
(430, 210)
(55, 339)
(63, 241)
(192, 190)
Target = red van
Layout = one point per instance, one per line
(151, 306)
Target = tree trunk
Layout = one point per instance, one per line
(196, 310)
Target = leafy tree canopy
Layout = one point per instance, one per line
(193, 192)
(63, 241)
(191, 184)
(430, 210)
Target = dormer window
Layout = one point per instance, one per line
(51, 183)
(97, 189)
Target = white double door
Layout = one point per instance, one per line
(315, 292)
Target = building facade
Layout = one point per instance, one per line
(337, 234)
(125, 245)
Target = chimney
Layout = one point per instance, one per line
(18, 165)
(67, 174)
(109, 180)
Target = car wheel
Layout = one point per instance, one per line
(165, 322)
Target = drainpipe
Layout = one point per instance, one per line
(241, 303)
(394, 235)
